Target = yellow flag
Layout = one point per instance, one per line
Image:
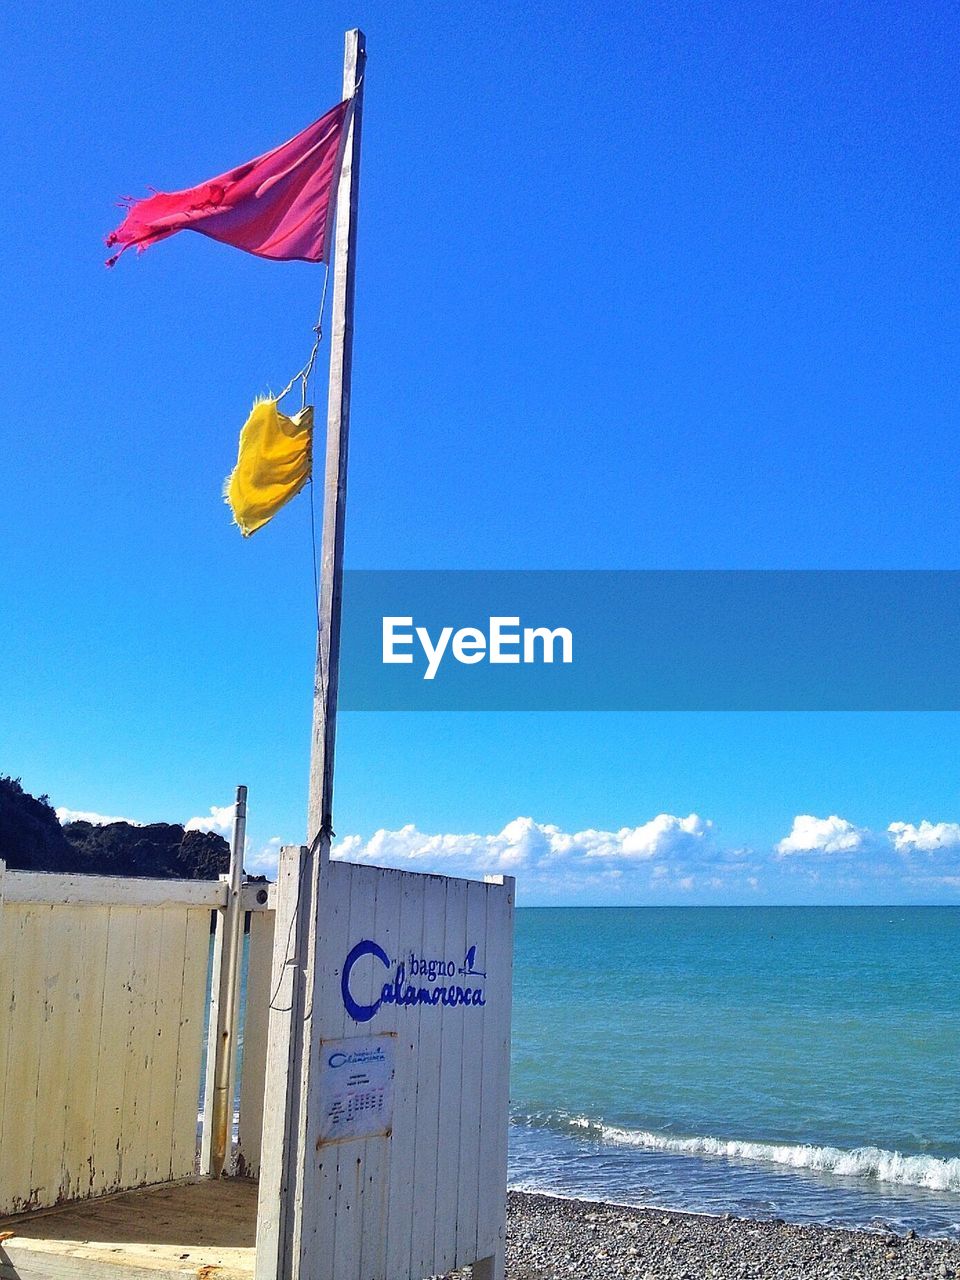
(273, 464)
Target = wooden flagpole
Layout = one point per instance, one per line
(286, 1146)
(326, 678)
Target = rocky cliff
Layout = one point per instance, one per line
(32, 839)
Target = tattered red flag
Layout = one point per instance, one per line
(278, 206)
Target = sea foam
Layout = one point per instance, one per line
(930, 1172)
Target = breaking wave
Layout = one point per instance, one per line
(875, 1163)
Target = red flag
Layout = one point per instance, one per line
(277, 206)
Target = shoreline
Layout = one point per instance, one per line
(551, 1236)
(881, 1229)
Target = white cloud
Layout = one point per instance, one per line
(520, 843)
(669, 857)
(526, 845)
(264, 861)
(662, 835)
(822, 835)
(928, 837)
(97, 819)
(220, 820)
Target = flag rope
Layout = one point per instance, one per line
(304, 374)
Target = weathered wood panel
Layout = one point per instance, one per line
(101, 1018)
(117, 1010)
(57, 1040)
(179, 1231)
(470, 1085)
(76, 1171)
(190, 1043)
(157, 1157)
(443, 1247)
(400, 1189)
(418, 967)
(495, 1097)
(25, 929)
(256, 1017)
(109, 891)
(277, 1190)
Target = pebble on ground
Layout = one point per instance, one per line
(552, 1239)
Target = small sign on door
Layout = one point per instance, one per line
(356, 1087)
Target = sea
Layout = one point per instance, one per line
(785, 1062)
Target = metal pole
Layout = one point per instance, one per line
(228, 1012)
(326, 679)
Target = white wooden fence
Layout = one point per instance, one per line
(375, 1057)
(103, 987)
(399, 1169)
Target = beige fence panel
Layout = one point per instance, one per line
(102, 991)
(405, 1126)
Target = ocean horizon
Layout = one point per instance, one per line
(794, 1062)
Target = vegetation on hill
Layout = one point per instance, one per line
(32, 839)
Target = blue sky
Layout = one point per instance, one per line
(639, 287)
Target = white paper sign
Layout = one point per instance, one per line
(356, 1087)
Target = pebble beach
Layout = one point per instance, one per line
(549, 1238)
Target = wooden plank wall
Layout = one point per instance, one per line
(101, 1027)
(430, 1196)
(255, 1020)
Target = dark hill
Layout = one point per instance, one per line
(159, 849)
(32, 839)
